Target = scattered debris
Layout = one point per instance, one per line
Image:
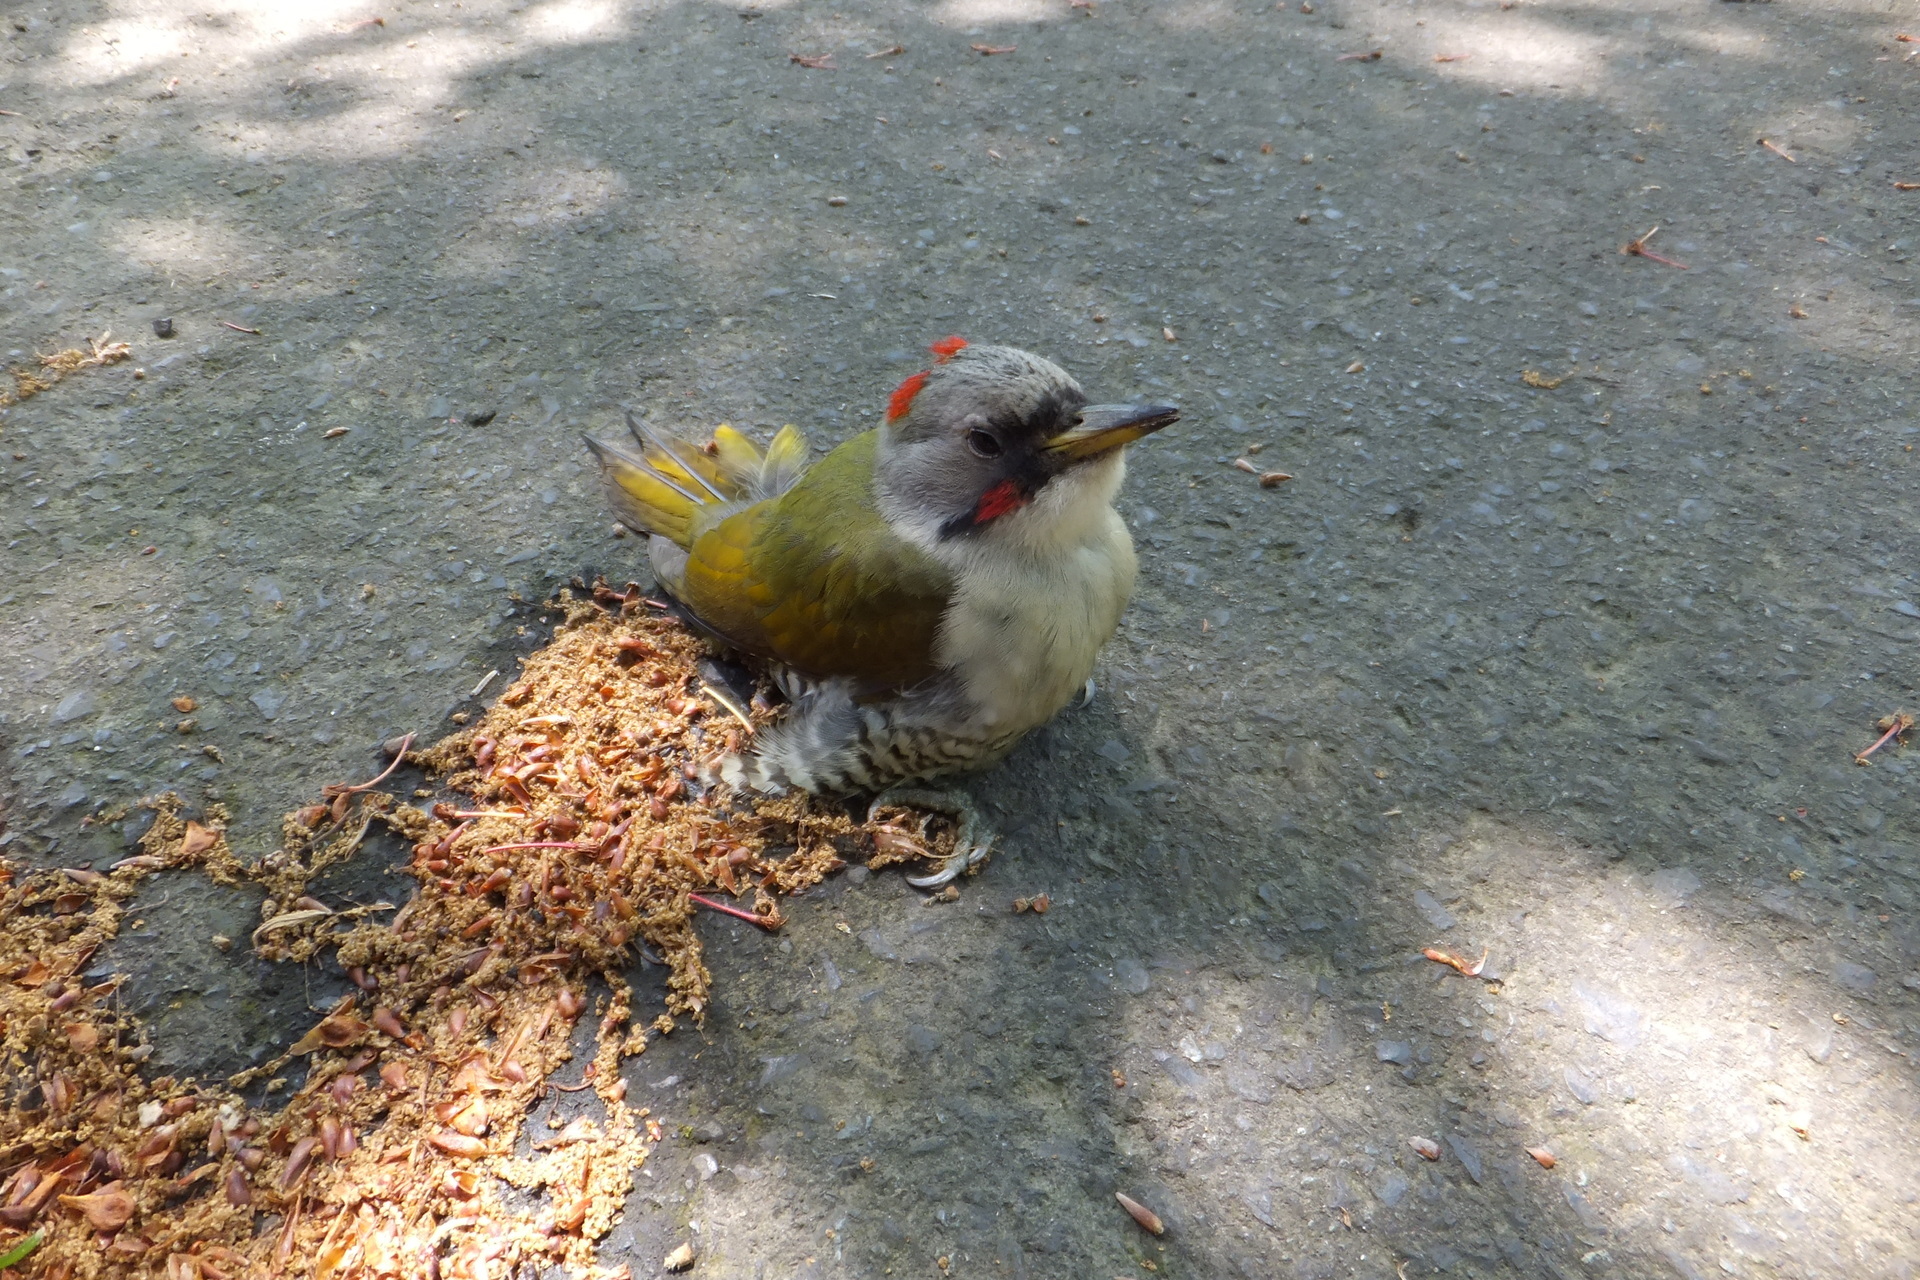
(571, 842)
(1470, 968)
(1039, 904)
(1894, 729)
(1534, 378)
(1638, 249)
(814, 62)
(1147, 1218)
(991, 49)
(61, 365)
(771, 921)
(890, 51)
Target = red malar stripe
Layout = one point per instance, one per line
(998, 501)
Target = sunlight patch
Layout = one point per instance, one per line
(183, 245)
(961, 13)
(575, 20)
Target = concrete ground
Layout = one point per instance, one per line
(1595, 574)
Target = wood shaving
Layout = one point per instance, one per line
(60, 365)
(570, 836)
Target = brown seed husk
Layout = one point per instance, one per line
(1147, 1218)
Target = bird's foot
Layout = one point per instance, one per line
(972, 841)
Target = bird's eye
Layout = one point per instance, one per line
(983, 444)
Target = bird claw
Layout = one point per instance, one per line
(969, 852)
(958, 864)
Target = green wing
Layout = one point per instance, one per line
(815, 579)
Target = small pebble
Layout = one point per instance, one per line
(1398, 1052)
(680, 1259)
(163, 327)
(1425, 1148)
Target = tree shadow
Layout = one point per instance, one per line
(1523, 649)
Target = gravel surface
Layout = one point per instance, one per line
(1594, 575)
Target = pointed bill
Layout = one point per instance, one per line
(1106, 427)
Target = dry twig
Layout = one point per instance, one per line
(1638, 249)
(1895, 726)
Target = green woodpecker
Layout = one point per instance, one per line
(926, 593)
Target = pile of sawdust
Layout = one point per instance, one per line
(29, 383)
(567, 838)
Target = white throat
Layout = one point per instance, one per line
(1037, 592)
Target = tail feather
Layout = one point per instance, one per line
(642, 498)
(659, 483)
(786, 459)
(748, 473)
(679, 460)
(737, 458)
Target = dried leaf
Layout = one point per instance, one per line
(289, 920)
(1546, 1158)
(198, 840)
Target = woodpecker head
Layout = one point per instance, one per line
(993, 440)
